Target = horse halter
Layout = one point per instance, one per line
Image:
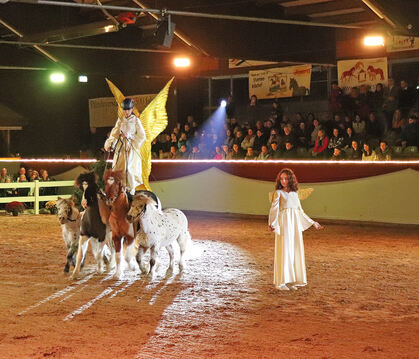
(110, 200)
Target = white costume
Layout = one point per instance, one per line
(127, 150)
(289, 221)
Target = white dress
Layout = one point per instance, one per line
(289, 221)
(127, 150)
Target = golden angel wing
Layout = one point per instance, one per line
(304, 193)
(154, 121)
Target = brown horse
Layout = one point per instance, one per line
(117, 203)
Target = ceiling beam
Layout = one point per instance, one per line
(337, 12)
(293, 3)
(323, 7)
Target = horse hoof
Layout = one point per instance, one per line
(66, 268)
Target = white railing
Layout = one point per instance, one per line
(35, 186)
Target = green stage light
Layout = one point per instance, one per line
(57, 77)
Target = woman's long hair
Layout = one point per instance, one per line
(292, 180)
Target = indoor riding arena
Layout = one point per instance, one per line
(224, 179)
(361, 299)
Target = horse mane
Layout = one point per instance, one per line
(143, 200)
(117, 175)
(88, 177)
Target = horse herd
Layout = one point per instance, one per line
(113, 225)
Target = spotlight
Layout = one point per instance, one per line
(182, 62)
(374, 41)
(223, 103)
(83, 78)
(57, 77)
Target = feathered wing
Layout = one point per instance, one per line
(304, 193)
(153, 119)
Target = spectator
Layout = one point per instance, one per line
(383, 152)
(183, 152)
(359, 127)
(398, 122)
(22, 191)
(335, 141)
(225, 152)
(218, 153)
(335, 99)
(276, 111)
(289, 135)
(183, 141)
(373, 127)
(354, 153)
(368, 154)
(236, 153)
(176, 131)
(407, 98)
(275, 151)
(250, 155)
(320, 145)
(377, 98)
(347, 122)
(364, 101)
(165, 146)
(347, 140)
(259, 141)
(249, 140)
(351, 103)
(155, 148)
(315, 131)
(238, 139)
(230, 107)
(3, 175)
(274, 137)
(195, 154)
(259, 126)
(229, 139)
(410, 134)
(188, 130)
(253, 111)
(289, 150)
(336, 122)
(338, 154)
(173, 154)
(264, 154)
(22, 171)
(391, 101)
(303, 135)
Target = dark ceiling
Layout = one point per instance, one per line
(217, 38)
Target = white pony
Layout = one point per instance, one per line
(70, 219)
(158, 229)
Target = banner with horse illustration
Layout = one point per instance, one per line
(280, 82)
(354, 73)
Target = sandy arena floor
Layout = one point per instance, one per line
(361, 301)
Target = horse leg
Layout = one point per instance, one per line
(128, 248)
(69, 259)
(171, 252)
(154, 260)
(97, 249)
(117, 244)
(183, 241)
(82, 241)
(85, 246)
(139, 257)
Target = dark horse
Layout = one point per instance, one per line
(296, 89)
(91, 223)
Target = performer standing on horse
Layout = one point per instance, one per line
(126, 139)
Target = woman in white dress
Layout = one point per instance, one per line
(127, 137)
(288, 220)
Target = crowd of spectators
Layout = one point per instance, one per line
(362, 125)
(25, 175)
